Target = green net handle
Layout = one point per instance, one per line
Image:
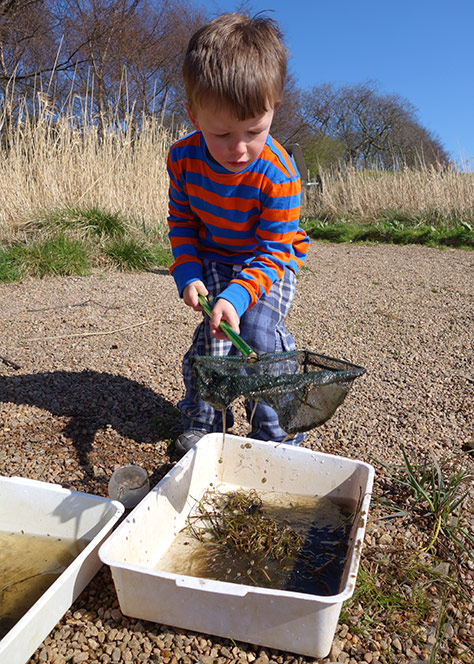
(230, 333)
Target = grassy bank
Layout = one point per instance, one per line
(75, 199)
(460, 235)
(78, 241)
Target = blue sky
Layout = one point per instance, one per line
(421, 50)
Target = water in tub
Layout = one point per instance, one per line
(29, 564)
(322, 525)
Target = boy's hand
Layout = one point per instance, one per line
(223, 310)
(191, 292)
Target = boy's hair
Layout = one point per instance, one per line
(237, 62)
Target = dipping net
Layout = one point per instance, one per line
(304, 388)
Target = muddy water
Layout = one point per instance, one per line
(29, 564)
(317, 570)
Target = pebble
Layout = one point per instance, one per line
(397, 644)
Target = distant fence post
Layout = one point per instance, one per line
(294, 149)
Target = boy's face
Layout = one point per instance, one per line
(233, 143)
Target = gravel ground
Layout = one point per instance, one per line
(90, 377)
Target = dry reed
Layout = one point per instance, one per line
(53, 162)
(425, 195)
(56, 159)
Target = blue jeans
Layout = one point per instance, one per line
(263, 328)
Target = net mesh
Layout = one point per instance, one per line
(304, 388)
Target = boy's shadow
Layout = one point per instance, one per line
(94, 401)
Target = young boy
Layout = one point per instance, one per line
(234, 207)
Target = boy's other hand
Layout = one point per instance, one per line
(191, 293)
(223, 310)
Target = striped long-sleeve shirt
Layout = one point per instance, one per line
(249, 218)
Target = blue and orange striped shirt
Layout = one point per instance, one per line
(249, 218)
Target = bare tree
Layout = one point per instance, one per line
(25, 40)
(375, 129)
(117, 58)
(288, 121)
(26, 50)
(131, 50)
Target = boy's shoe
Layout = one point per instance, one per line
(187, 440)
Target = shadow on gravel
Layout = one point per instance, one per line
(95, 401)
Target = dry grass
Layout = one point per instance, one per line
(56, 161)
(429, 195)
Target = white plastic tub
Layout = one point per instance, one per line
(291, 621)
(40, 508)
